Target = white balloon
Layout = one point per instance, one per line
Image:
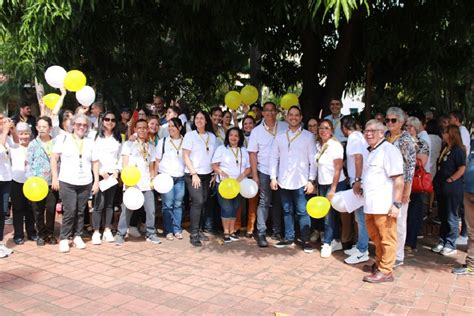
(133, 198)
(248, 188)
(338, 203)
(54, 76)
(163, 183)
(85, 96)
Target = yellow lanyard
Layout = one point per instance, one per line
(179, 146)
(80, 147)
(206, 142)
(143, 148)
(47, 147)
(236, 155)
(322, 152)
(290, 140)
(391, 139)
(271, 131)
(444, 153)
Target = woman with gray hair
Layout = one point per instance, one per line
(395, 119)
(74, 180)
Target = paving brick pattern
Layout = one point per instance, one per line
(233, 279)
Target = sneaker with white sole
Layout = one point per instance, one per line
(448, 251)
(119, 240)
(336, 245)
(108, 236)
(96, 238)
(78, 242)
(154, 239)
(437, 248)
(64, 245)
(5, 249)
(461, 241)
(326, 251)
(351, 251)
(357, 257)
(133, 232)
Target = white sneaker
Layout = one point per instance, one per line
(461, 241)
(79, 243)
(133, 231)
(96, 238)
(5, 249)
(314, 236)
(108, 236)
(351, 251)
(437, 248)
(336, 245)
(357, 257)
(326, 251)
(64, 245)
(448, 251)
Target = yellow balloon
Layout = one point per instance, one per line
(75, 80)
(288, 100)
(318, 206)
(249, 94)
(229, 188)
(233, 99)
(130, 176)
(51, 99)
(35, 189)
(252, 114)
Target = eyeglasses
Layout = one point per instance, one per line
(81, 125)
(109, 119)
(371, 131)
(391, 120)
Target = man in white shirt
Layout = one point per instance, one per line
(292, 169)
(335, 106)
(356, 153)
(383, 187)
(259, 148)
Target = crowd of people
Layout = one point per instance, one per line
(81, 156)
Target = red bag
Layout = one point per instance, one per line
(422, 181)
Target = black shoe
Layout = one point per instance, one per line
(307, 247)
(195, 240)
(248, 235)
(262, 241)
(52, 240)
(277, 236)
(203, 237)
(33, 238)
(347, 245)
(227, 239)
(19, 241)
(40, 242)
(234, 237)
(284, 243)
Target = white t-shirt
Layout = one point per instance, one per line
(292, 159)
(228, 162)
(135, 158)
(424, 136)
(171, 162)
(356, 144)
(75, 168)
(200, 156)
(382, 163)
(336, 123)
(18, 155)
(466, 139)
(108, 152)
(5, 162)
(325, 157)
(261, 141)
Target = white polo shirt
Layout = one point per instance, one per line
(229, 163)
(171, 161)
(18, 155)
(261, 141)
(108, 152)
(200, 156)
(292, 159)
(356, 145)
(325, 156)
(73, 169)
(5, 162)
(382, 163)
(424, 135)
(135, 158)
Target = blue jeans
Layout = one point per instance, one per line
(448, 206)
(363, 235)
(291, 201)
(267, 197)
(173, 207)
(332, 220)
(228, 207)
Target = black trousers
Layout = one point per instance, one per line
(104, 201)
(198, 197)
(74, 199)
(22, 212)
(45, 212)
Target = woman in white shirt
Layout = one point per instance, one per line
(198, 147)
(21, 207)
(231, 160)
(331, 179)
(74, 179)
(169, 157)
(107, 147)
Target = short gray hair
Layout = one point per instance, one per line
(78, 116)
(23, 127)
(376, 123)
(416, 123)
(399, 113)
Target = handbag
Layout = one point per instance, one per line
(422, 181)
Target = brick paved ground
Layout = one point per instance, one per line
(174, 278)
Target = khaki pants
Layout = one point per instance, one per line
(469, 216)
(382, 230)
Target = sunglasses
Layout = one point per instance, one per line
(391, 120)
(109, 119)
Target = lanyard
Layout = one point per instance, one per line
(80, 147)
(271, 131)
(290, 140)
(47, 147)
(236, 155)
(143, 148)
(391, 139)
(206, 142)
(322, 152)
(444, 154)
(179, 146)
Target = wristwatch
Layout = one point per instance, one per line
(397, 204)
(358, 179)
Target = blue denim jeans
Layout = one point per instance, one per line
(149, 206)
(294, 201)
(229, 207)
(172, 207)
(267, 197)
(448, 207)
(363, 235)
(332, 220)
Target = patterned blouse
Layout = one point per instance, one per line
(38, 159)
(407, 147)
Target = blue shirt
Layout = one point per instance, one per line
(469, 175)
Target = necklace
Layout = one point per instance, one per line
(391, 139)
(179, 146)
